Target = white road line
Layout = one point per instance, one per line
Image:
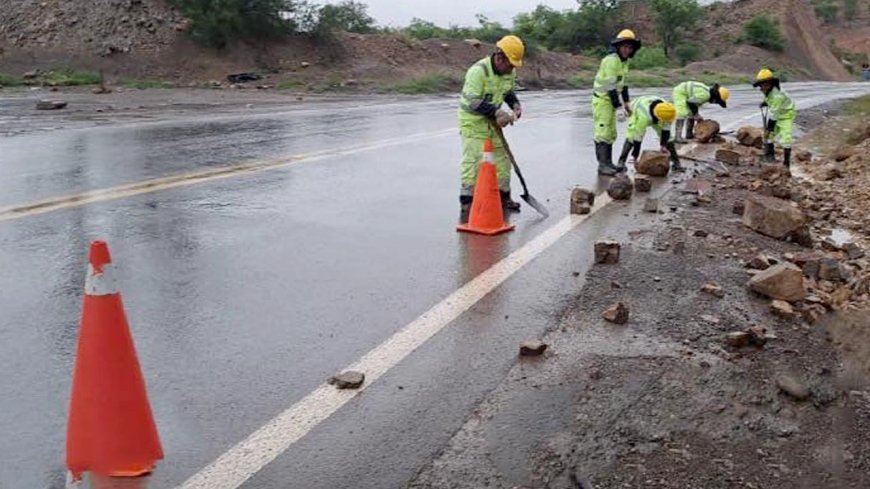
(248, 457)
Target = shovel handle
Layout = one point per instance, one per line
(507, 149)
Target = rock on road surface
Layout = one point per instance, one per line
(247, 289)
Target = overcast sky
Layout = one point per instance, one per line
(398, 13)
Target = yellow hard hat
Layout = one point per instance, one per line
(665, 112)
(724, 93)
(626, 35)
(513, 48)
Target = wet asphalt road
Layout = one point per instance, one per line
(245, 293)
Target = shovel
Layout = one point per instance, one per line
(525, 195)
(764, 128)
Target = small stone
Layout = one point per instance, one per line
(803, 156)
(845, 153)
(757, 335)
(700, 233)
(653, 163)
(348, 380)
(582, 200)
(642, 183)
(793, 387)
(709, 319)
(532, 348)
(854, 251)
(651, 205)
(617, 313)
(738, 339)
(50, 105)
(738, 208)
(782, 309)
(713, 289)
(728, 156)
(829, 269)
(760, 262)
(830, 172)
(607, 252)
(784, 281)
(305, 64)
(620, 188)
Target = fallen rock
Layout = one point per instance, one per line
(830, 172)
(829, 269)
(532, 348)
(738, 339)
(698, 186)
(642, 183)
(750, 136)
(713, 289)
(728, 156)
(617, 313)
(757, 336)
(772, 217)
(348, 380)
(782, 309)
(784, 281)
(651, 205)
(305, 64)
(854, 251)
(582, 200)
(760, 262)
(607, 252)
(738, 208)
(653, 163)
(620, 188)
(793, 387)
(50, 105)
(101, 90)
(845, 153)
(29, 75)
(803, 155)
(474, 42)
(700, 233)
(706, 130)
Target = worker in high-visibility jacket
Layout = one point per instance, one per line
(689, 96)
(610, 85)
(489, 83)
(650, 111)
(780, 118)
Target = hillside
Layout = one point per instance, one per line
(145, 39)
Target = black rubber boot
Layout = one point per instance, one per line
(678, 131)
(620, 168)
(676, 166)
(690, 129)
(786, 157)
(464, 208)
(769, 153)
(507, 203)
(623, 156)
(604, 154)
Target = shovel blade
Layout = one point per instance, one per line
(536, 205)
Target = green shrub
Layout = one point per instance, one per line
(763, 31)
(651, 57)
(144, 84)
(686, 53)
(217, 23)
(827, 11)
(432, 83)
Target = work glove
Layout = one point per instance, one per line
(518, 111)
(503, 118)
(665, 150)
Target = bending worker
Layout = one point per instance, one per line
(610, 84)
(781, 115)
(688, 98)
(489, 83)
(650, 111)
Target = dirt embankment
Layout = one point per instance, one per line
(146, 39)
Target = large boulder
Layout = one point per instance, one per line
(620, 188)
(772, 217)
(653, 163)
(751, 136)
(706, 130)
(784, 282)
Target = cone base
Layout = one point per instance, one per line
(466, 228)
(140, 472)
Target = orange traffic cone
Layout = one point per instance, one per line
(111, 431)
(487, 215)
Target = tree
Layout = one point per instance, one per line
(673, 18)
(216, 23)
(763, 31)
(347, 16)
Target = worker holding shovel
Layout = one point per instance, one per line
(779, 112)
(689, 96)
(489, 83)
(650, 111)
